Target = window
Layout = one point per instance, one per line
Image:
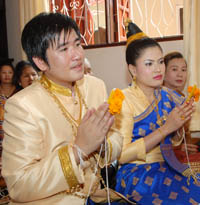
(103, 21)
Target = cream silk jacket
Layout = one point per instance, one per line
(36, 131)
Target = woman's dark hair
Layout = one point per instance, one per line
(137, 47)
(8, 64)
(170, 56)
(43, 30)
(19, 68)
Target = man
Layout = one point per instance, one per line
(55, 128)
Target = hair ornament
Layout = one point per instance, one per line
(133, 32)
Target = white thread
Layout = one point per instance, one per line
(80, 153)
(187, 155)
(94, 173)
(107, 182)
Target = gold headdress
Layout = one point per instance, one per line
(133, 32)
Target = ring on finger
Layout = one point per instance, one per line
(182, 117)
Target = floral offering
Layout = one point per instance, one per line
(193, 91)
(115, 101)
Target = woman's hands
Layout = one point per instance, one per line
(178, 117)
(93, 128)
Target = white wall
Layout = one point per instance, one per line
(109, 63)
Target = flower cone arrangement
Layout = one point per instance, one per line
(193, 91)
(115, 101)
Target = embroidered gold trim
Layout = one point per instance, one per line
(135, 37)
(173, 96)
(67, 167)
(46, 83)
(55, 87)
(150, 109)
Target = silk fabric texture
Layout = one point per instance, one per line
(148, 179)
(35, 129)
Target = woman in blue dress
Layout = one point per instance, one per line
(152, 121)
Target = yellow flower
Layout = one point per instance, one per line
(115, 101)
(193, 91)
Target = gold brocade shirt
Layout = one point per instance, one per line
(35, 132)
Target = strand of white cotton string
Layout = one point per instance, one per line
(96, 169)
(106, 167)
(80, 154)
(187, 155)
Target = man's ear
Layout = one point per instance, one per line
(132, 70)
(40, 64)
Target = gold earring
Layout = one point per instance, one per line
(134, 81)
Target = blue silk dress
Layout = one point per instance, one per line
(155, 179)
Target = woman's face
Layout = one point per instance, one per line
(150, 69)
(176, 74)
(6, 74)
(28, 76)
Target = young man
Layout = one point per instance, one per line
(55, 128)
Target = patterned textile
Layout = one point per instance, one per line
(4, 196)
(194, 158)
(157, 182)
(2, 103)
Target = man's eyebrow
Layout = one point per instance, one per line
(66, 43)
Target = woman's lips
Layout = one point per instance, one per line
(158, 77)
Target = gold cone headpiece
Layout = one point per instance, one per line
(133, 32)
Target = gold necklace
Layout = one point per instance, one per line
(9, 93)
(74, 123)
(160, 120)
(46, 83)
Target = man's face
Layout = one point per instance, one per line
(65, 58)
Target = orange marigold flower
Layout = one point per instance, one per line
(193, 91)
(115, 101)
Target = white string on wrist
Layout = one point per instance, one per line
(95, 171)
(80, 154)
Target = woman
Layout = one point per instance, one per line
(7, 89)
(175, 78)
(25, 74)
(151, 121)
(7, 86)
(176, 71)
